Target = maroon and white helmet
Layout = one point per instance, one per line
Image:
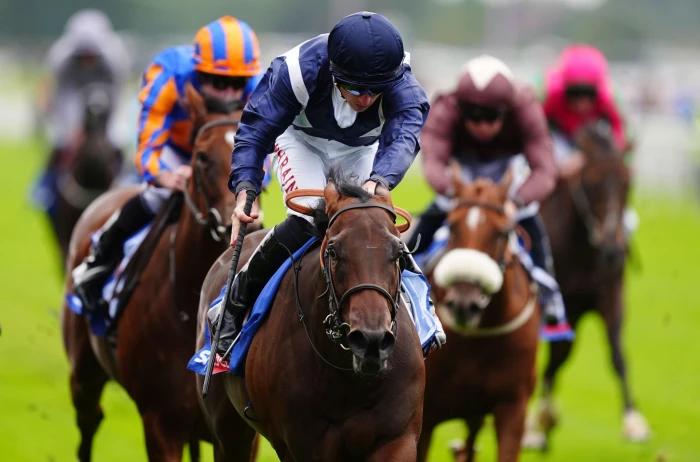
(488, 82)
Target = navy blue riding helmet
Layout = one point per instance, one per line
(366, 51)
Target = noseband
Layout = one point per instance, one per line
(212, 218)
(336, 328)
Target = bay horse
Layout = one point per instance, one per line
(490, 311)
(358, 397)
(87, 171)
(156, 333)
(584, 219)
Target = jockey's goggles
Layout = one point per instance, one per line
(222, 82)
(581, 91)
(357, 90)
(475, 113)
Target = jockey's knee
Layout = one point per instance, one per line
(153, 198)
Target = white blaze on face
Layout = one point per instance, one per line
(474, 218)
(230, 138)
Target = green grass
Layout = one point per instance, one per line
(36, 418)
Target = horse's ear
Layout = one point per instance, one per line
(456, 173)
(195, 104)
(331, 195)
(383, 194)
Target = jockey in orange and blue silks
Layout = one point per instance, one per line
(223, 64)
(577, 91)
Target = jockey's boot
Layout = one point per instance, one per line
(106, 251)
(278, 245)
(555, 326)
(440, 337)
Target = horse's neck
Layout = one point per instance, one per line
(194, 251)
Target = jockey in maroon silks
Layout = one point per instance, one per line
(489, 124)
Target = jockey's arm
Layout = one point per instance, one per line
(538, 150)
(398, 143)
(270, 111)
(437, 143)
(158, 96)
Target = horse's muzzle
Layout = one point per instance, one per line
(370, 350)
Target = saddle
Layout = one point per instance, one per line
(119, 287)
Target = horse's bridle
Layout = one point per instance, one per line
(503, 236)
(211, 219)
(336, 328)
(582, 205)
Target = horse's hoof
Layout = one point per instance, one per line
(635, 427)
(534, 440)
(458, 449)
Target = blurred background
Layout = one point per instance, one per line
(655, 63)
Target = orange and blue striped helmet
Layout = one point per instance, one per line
(227, 46)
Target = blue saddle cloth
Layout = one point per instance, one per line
(415, 294)
(102, 322)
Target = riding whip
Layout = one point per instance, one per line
(250, 197)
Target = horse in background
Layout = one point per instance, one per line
(336, 371)
(149, 348)
(585, 221)
(490, 311)
(86, 170)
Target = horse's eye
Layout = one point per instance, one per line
(203, 158)
(332, 252)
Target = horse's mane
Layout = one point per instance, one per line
(348, 185)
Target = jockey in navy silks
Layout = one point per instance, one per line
(347, 99)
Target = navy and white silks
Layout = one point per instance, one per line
(296, 111)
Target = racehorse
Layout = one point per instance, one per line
(87, 171)
(584, 218)
(336, 371)
(490, 312)
(155, 334)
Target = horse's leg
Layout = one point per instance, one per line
(398, 450)
(87, 380)
(545, 419)
(635, 427)
(468, 454)
(509, 419)
(424, 441)
(165, 436)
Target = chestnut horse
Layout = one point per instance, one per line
(584, 218)
(157, 330)
(489, 308)
(358, 398)
(89, 169)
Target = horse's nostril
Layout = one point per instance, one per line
(387, 342)
(474, 308)
(358, 341)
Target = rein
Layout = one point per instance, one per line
(336, 329)
(212, 218)
(509, 327)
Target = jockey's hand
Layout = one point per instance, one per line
(572, 165)
(238, 216)
(175, 180)
(370, 186)
(510, 209)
